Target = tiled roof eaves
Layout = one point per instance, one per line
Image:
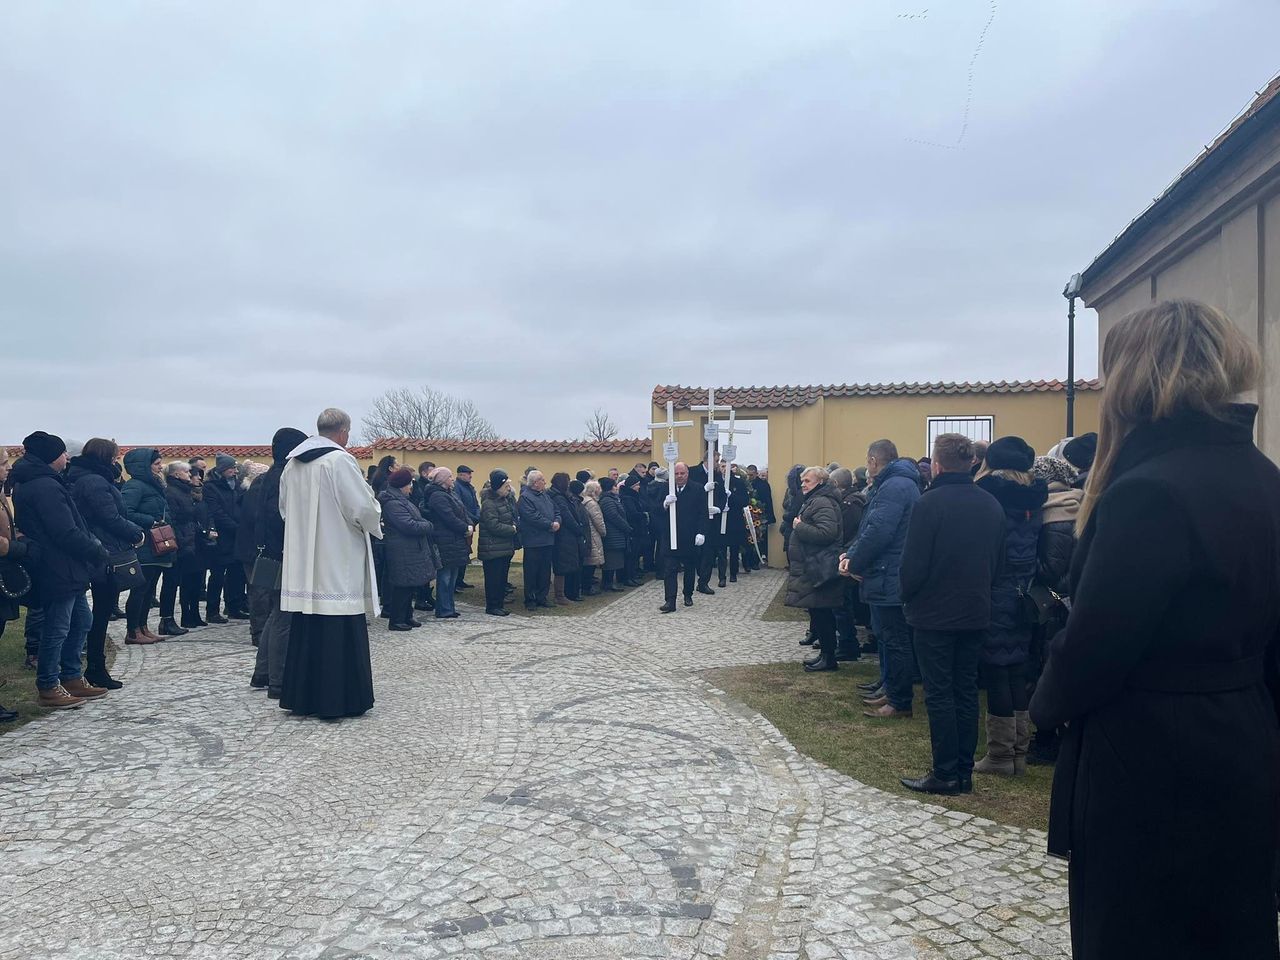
(634, 445)
(788, 396)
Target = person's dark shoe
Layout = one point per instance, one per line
(822, 664)
(117, 614)
(931, 784)
(413, 623)
(847, 654)
(574, 599)
(237, 615)
(213, 616)
(591, 592)
(966, 784)
(808, 640)
(464, 586)
(424, 607)
(887, 713)
(169, 628)
(734, 579)
(871, 687)
(399, 627)
(615, 589)
(7, 715)
(102, 679)
(634, 583)
(192, 623)
(258, 682)
(546, 605)
(722, 583)
(668, 607)
(703, 588)
(273, 693)
(688, 601)
(879, 701)
(816, 658)
(448, 616)
(32, 661)
(498, 612)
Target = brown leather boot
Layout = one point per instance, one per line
(82, 688)
(150, 634)
(58, 698)
(139, 637)
(561, 599)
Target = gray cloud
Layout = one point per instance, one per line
(552, 206)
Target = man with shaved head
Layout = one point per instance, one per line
(690, 504)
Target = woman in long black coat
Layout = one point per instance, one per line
(407, 558)
(566, 559)
(1166, 792)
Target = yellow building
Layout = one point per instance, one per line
(820, 424)
(513, 456)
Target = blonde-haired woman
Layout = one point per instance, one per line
(1165, 795)
(595, 533)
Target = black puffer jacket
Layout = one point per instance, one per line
(449, 522)
(1058, 537)
(65, 557)
(406, 538)
(791, 501)
(96, 495)
(813, 581)
(633, 509)
(498, 532)
(223, 512)
(616, 528)
(185, 514)
(567, 556)
(1008, 641)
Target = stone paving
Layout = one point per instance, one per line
(529, 787)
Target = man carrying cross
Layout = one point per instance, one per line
(690, 508)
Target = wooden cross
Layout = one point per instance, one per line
(712, 433)
(671, 453)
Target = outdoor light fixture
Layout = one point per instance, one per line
(1071, 291)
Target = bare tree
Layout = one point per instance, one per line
(599, 426)
(425, 414)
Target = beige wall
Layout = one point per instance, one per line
(841, 428)
(515, 463)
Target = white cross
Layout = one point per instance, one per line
(712, 434)
(730, 454)
(670, 453)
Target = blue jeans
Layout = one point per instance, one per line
(446, 580)
(66, 624)
(889, 624)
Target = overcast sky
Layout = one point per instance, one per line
(218, 218)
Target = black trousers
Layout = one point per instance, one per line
(400, 604)
(105, 597)
(187, 572)
(672, 561)
(707, 559)
(949, 664)
(138, 605)
(822, 624)
(588, 578)
(537, 574)
(573, 585)
(728, 560)
(1006, 689)
(495, 582)
(226, 586)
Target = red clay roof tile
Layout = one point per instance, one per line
(766, 397)
(639, 445)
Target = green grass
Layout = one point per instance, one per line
(515, 602)
(778, 612)
(17, 684)
(821, 714)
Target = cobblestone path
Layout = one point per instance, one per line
(554, 787)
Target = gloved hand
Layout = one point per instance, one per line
(670, 500)
(711, 485)
(699, 540)
(712, 511)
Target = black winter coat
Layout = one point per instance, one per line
(100, 503)
(498, 531)
(144, 502)
(791, 504)
(406, 539)
(250, 520)
(953, 553)
(537, 512)
(65, 557)
(1166, 791)
(813, 581)
(566, 560)
(223, 514)
(1008, 639)
(616, 528)
(764, 494)
(449, 522)
(691, 520)
(185, 514)
(1058, 538)
(268, 523)
(637, 518)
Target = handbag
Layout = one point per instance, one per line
(125, 571)
(163, 539)
(1038, 605)
(267, 573)
(15, 581)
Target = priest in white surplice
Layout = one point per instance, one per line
(328, 581)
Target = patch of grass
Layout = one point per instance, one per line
(17, 684)
(778, 612)
(821, 714)
(515, 602)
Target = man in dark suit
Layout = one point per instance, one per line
(690, 504)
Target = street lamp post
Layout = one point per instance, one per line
(1071, 291)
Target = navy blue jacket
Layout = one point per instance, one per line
(875, 554)
(69, 557)
(144, 501)
(101, 505)
(1008, 640)
(223, 507)
(408, 560)
(466, 495)
(537, 512)
(449, 525)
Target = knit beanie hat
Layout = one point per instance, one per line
(44, 447)
(496, 479)
(400, 478)
(583, 476)
(1010, 453)
(224, 462)
(1081, 451)
(284, 442)
(576, 487)
(1053, 470)
(606, 484)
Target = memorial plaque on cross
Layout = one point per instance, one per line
(671, 453)
(730, 454)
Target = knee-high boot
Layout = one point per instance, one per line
(561, 601)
